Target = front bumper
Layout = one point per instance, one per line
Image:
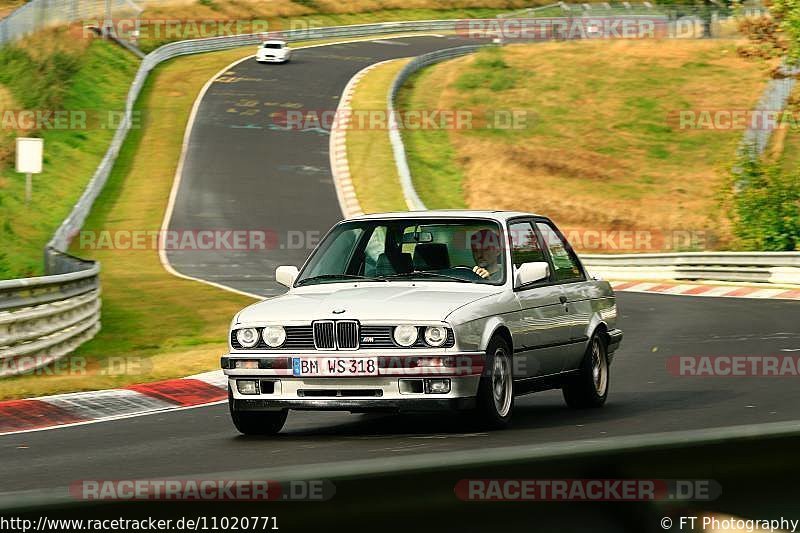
(400, 384)
(368, 393)
(414, 405)
(272, 59)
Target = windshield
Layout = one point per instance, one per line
(443, 250)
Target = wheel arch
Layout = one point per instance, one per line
(497, 326)
(601, 328)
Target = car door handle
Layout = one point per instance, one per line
(562, 299)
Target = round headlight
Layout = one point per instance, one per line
(247, 337)
(405, 335)
(435, 335)
(274, 336)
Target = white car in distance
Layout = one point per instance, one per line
(273, 51)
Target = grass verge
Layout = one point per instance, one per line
(369, 152)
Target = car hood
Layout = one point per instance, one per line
(384, 302)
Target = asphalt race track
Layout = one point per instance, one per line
(245, 170)
(644, 398)
(241, 173)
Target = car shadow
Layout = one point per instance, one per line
(536, 412)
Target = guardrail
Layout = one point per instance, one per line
(753, 267)
(775, 97)
(44, 318)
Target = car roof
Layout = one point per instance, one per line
(273, 41)
(448, 213)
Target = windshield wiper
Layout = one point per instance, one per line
(337, 276)
(425, 273)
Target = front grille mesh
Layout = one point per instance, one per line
(347, 334)
(324, 335)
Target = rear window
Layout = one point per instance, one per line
(273, 46)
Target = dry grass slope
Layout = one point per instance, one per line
(600, 151)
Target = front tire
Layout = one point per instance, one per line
(495, 401)
(257, 422)
(590, 387)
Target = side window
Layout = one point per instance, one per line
(565, 264)
(524, 245)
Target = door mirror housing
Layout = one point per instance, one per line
(531, 273)
(285, 275)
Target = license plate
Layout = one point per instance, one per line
(335, 366)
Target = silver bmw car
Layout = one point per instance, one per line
(425, 311)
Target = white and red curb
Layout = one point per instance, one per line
(45, 412)
(686, 289)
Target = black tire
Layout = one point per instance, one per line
(257, 422)
(495, 402)
(590, 387)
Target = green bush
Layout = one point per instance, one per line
(766, 204)
(787, 12)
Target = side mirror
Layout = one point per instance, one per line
(531, 273)
(285, 275)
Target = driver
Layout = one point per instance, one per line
(486, 250)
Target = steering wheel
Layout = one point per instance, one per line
(469, 269)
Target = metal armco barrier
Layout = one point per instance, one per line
(45, 318)
(754, 267)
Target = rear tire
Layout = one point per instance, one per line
(495, 401)
(590, 387)
(257, 422)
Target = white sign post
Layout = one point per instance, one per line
(29, 160)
